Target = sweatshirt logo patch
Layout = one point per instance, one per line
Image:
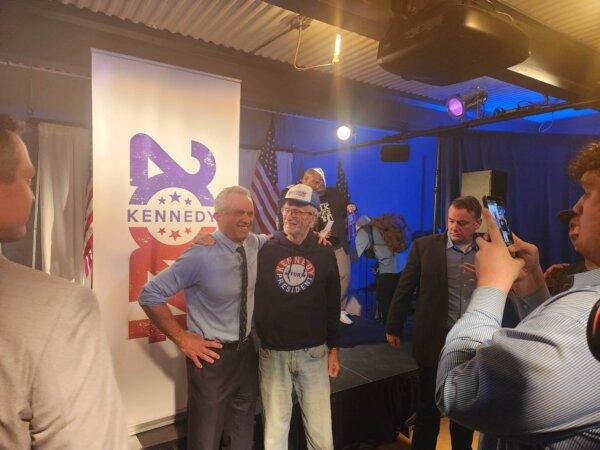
(294, 274)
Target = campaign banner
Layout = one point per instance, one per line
(165, 142)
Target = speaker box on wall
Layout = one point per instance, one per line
(484, 182)
(395, 153)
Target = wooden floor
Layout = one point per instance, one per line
(443, 442)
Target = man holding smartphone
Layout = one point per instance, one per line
(437, 268)
(537, 385)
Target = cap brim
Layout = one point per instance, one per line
(300, 202)
(566, 215)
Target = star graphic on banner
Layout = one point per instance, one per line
(175, 234)
(174, 197)
(161, 231)
(161, 200)
(188, 230)
(188, 201)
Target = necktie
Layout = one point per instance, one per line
(244, 297)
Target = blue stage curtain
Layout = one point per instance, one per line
(538, 185)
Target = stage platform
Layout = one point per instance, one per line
(373, 395)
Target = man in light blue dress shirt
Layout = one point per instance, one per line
(536, 386)
(221, 364)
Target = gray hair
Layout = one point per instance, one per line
(221, 200)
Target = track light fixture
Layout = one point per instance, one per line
(457, 105)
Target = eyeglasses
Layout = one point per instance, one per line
(296, 212)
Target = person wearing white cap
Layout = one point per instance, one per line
(332, 224)
(296, 316)
(559, 277)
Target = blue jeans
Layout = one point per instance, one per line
(305, 371)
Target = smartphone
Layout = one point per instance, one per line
(498, 211)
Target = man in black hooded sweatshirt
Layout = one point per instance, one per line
(297, 319)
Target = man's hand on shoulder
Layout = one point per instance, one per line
(196, 348)
(322, 240)
(394, 341)
(204, 239)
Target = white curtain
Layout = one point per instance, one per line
(64, 165)
(248, 160)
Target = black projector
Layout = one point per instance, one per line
(450, 43)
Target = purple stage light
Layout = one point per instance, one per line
(455, 107)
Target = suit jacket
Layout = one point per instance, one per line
(57, 386)
(425, 271)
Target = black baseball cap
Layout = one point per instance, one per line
(566, 215)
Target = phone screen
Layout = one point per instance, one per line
(496, 208)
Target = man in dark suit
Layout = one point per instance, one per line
(438, 267)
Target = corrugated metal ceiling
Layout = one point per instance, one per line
(576, 18)
(247, 24)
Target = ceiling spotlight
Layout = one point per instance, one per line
(457, 105)
(344, 132)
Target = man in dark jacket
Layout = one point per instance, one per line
(297, 319)
(437, 268)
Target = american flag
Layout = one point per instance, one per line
(265, 192)
(342, 185)
(88, 236)
(341, 182)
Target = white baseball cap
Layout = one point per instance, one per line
(320, 172)
(302, 193)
